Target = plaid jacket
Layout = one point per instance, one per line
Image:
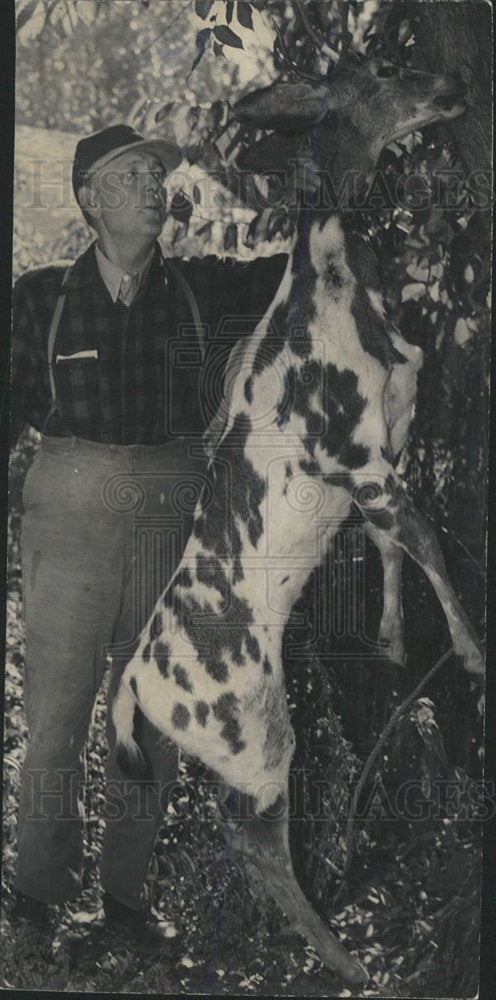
(132, 376)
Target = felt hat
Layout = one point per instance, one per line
(94, 151)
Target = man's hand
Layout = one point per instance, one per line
(16, 427)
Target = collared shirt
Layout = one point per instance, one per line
(117, 281)
(132, 375)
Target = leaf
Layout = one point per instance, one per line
(196, 194)
(218, 51)
(51, 9)
(26, 14)
(216, 113)
(202, 40)
(164, 112)
(203, 8)
(245, 16)
(227, 37)
(179, 233)
(280, 222)
(205, 230)
(462, 333)
(229, 10)
(181, 207)
(253, 234)
(412, 291)
(419, 271)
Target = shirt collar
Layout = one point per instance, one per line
(112, 275)
(85, 270)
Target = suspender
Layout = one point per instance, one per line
(50, 348)
(181, 280)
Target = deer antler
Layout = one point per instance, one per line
(288, 63)
(323, 47)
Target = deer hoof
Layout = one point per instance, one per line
(394, 647)
(473, 660)
(357, 976)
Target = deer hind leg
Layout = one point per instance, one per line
(263, 841)
(262, 837)
(391, 628)
(399, 401)
(384, 503)
(400, 393)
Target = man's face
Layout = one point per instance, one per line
(129, 196)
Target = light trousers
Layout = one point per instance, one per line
(103, 530)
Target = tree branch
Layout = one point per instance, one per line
(393, 721)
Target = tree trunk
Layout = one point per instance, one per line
(454, 36)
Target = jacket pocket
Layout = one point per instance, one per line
(77, 355)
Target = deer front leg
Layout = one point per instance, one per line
(263, 841)
(385, 505)
(391, 628)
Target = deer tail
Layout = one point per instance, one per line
(127, 718)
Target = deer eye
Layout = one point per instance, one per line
(386, 71)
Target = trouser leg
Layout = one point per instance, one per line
(134, 809)
(69, 609)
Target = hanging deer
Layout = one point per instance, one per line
(316, 405)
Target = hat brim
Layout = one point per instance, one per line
(168, 153)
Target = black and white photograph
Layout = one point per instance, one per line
(244, 703)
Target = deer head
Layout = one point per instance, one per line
(360, 108)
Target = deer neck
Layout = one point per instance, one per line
(346, 164)
(336, 285)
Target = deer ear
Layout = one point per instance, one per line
(282, 106)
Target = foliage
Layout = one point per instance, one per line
(99, 59)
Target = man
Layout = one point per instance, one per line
(109, 364)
